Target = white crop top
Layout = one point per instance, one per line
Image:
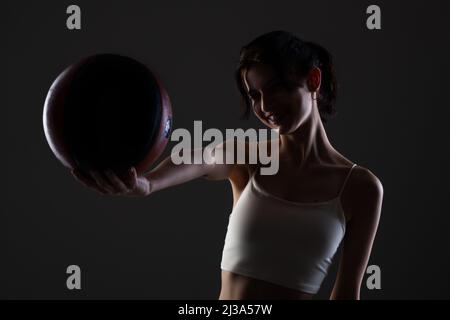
(288, 243)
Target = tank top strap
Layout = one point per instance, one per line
(346, 178)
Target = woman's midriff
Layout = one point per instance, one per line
(239, 287)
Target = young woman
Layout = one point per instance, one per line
(284, 229)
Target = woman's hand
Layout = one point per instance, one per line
(108, 182)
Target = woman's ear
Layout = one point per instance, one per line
(313, 79)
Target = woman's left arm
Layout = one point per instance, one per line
(362, 200)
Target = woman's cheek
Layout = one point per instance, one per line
(304, 108)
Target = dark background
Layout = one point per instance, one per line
(393, 119)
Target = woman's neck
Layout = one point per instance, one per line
(308, 145)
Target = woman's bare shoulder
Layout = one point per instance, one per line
(363, 192)
(363, 176)
(245, 158)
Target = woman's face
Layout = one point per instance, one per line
(276, 106)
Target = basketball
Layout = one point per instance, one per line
(107, 111)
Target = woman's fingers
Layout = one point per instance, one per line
(130, 178)
(134, 177)
(137, 185)
(82, 178)
(109, 182)
(116, 181)
(101, 182)
(87, 181)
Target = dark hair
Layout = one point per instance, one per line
(292, 58)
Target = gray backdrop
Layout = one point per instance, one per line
(393, 119)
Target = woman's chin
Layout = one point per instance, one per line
(281, 128)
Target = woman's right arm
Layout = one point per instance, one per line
(166, 174)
